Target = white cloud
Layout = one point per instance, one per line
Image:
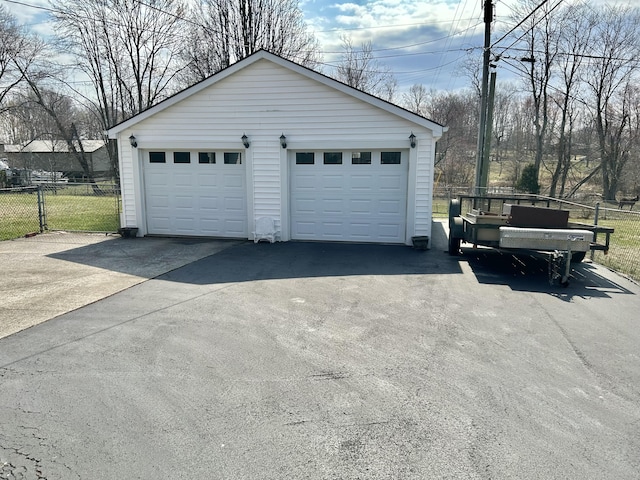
(34, 17)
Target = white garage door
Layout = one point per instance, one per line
(349, 196)
(195, 193)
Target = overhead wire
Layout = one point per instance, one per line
(504, 49)
(83, 17)
(395, 25)
(465, 36)
(402, 47)
(453, 32)
(447, 44)
(520, 23)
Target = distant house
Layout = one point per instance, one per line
(54, 156)
(267, 137)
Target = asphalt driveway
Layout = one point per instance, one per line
(332, 361)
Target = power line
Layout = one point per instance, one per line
(521, 22)
(402, 47)
(395, 25)
(37, 7)
(577, 55)
(448, 42)
(528, 30)
(333, 65)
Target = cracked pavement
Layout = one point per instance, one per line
(332, 361)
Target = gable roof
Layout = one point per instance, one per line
(436, 128)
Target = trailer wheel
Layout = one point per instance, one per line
(577, 257)
(454, 208)
(455, 226)
(454, 245)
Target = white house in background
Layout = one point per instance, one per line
(267, 137)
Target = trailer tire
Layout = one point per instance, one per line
(456, 226)
(577, 257)
(456, 234)
(454, 208)
(454, 245)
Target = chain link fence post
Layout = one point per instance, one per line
(596, 215)
(42, 215)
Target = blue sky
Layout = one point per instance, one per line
(421, 41)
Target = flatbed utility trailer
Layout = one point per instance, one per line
(520, 223)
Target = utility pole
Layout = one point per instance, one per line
(488, 132)
(480, 187)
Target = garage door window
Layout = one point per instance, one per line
(390, 158)
(206, 157)
(157, 157)
(304, 158)
(333, 158)
(361, 158)
(232, 158)
(181, 157)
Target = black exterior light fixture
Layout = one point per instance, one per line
(283, 141)
(245, 140)
(133, 141)
(412, 140)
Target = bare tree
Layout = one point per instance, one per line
(415, 100)
(359, 69)
(575, 26)
(59, 111)
(225, 31)
(128, 49)
(611, 76)
(210, 49)
(15, 49)
(539, 37)
(55, 108)
(472, 69)
(455, 151)
(505, 100)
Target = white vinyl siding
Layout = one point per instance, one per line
(265, 100)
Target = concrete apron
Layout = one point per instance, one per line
(54, 273)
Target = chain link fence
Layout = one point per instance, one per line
(86, 207)
(72, 207)
(20, 212)
(624, 253)
(624, 247)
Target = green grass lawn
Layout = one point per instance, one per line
(624, 251)
(440, 208)
(19, 213)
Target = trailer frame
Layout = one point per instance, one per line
(485, 223)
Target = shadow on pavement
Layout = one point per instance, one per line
(530, 272)
(229, 261)
(145, 257)
(264, 261)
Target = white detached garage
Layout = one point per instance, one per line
(269, 138)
